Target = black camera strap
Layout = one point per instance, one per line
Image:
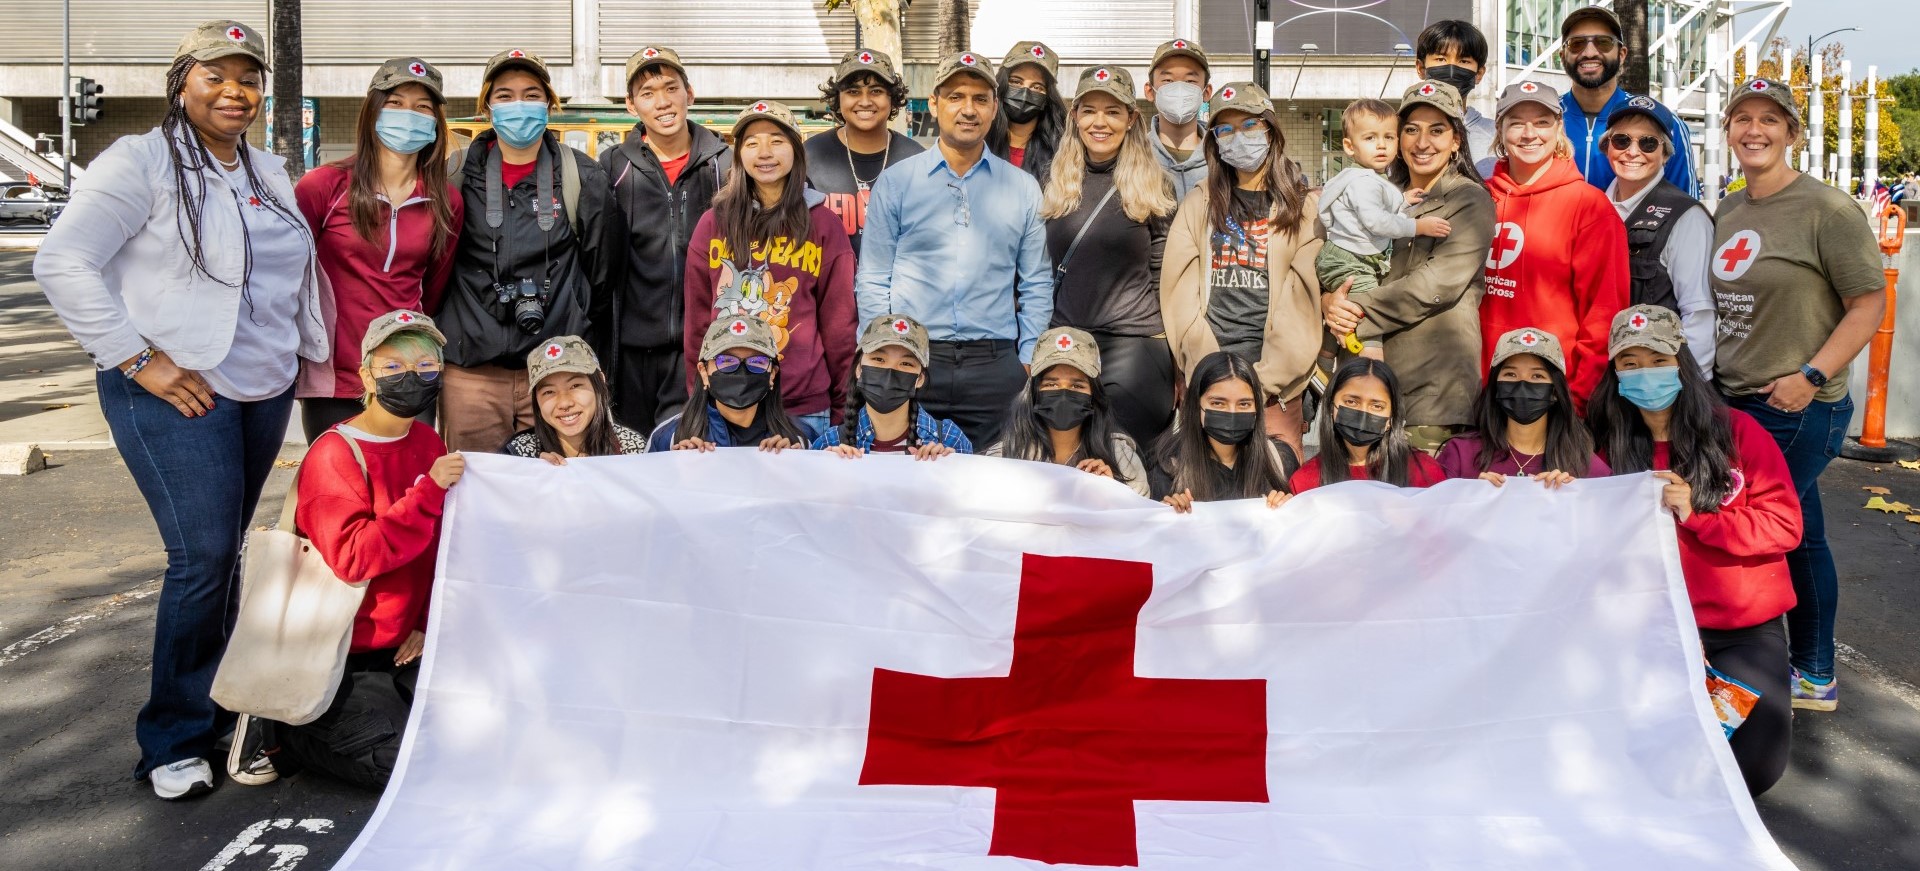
(545, 206)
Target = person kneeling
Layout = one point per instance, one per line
(881, 416)
(1363, 435)
(1218, 448)
(734, 401)
(1063, 415)
(572, 407)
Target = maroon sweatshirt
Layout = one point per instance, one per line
(1735, 559)
(802, 288)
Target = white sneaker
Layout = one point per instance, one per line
(183, 779)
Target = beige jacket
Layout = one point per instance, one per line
(1294, 329)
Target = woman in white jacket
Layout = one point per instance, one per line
(184, 270)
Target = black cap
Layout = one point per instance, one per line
(1592, 13)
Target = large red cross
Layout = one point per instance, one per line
(1503, 243)
(1735, 255)
(1070, 738)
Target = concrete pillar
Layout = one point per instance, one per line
(1816, 119)
(1846, 127)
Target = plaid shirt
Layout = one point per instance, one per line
(928, 430)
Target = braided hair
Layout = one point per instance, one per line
(188, 157)
(857, 400)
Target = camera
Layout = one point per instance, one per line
(524, 302)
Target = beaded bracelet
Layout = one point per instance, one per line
(139, 363)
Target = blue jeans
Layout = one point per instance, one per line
(814, 424)
(201, 477)
(1810, 439)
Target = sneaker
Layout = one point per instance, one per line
(248, 763)
(1812, 696)
(184, 779)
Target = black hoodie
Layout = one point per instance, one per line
(582, 274)
(660, 221)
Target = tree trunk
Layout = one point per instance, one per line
(880, 28)
(954, 27)
(1636, 74)
(288, 61)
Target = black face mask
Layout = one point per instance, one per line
(886, 389)
(1523, 401)
(1062, 409)
(1360, 428)
(741, 388)
(406, 394)
(1023, 105)
(1461, 78)
(1228, 427)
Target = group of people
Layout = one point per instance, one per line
(1164, 301)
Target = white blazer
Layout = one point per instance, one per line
(119, 273)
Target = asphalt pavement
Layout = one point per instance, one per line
(80, 562)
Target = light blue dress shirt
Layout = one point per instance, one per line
(953, 252)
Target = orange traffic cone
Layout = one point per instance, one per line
(1872, 445)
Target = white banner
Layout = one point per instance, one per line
(806, 663)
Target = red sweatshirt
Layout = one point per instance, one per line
(1424, 471)
(1735, 559)
(396, 270)
(390, 535)
(803, 289)
(1558, 263)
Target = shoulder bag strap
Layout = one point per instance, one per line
(292, 502)
(1060, 271)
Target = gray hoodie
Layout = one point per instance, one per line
(1363, 212)
(1187, 174)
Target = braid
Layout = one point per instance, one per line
(913, 423)
(850, 416)
(176, 126)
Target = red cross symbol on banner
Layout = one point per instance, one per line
(1427, 90)
(739, 328)
(236, 34)
(1102, 75)
(417, 68)
(553, 351)
(1071, 738)
(1638, 321)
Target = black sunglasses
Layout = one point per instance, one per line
(1606, 44)
(1648, 144)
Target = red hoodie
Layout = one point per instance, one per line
(388, 535)
(1735, 559)
(804, 290)
(1558, 263)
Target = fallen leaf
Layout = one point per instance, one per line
(50, 384)
(1910, 464)
(286, 464)
(1877, 490)
(1879, 504)
(56, 407)
(1913, 518)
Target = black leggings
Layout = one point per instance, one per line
(358, 739)
(1137, 372)
(1757, 657)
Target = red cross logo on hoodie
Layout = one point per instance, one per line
(417, 68)
(236, 34)
(553, 351)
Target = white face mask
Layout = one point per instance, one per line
(1178, 102)
(1245, 152)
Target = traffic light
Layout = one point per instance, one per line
(86, 101)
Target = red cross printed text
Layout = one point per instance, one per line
(1071, 738)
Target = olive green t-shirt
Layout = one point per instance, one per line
(1781, 266)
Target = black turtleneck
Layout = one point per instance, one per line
(1112, 284)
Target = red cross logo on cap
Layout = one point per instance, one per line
(649, 52)
(1427, 90)
(1528, 87)
(967, 59)
(1102, 75)
(403, 318)
(1226, 94)
(1038, 51)
(760, 106)
(866, 57)
(553, 351)
(236, 34)
(516, 53)
(1179, 43)
(417, 68)
(900, 326)
(1759, 85)
(739, 328)
(1637, 322)
(1064, 343)
(1529, 339)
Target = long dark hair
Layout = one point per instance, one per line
(1284, 184)
(1025, 436)
(1391, 458)
(1187, 454)
(1569, 445)
(1701, 436)
(857, 402)
(600, 438)
(363, 175)
(1050, 127)
(1461, 162)
(693, 415)
(737, 212)
(188, 158)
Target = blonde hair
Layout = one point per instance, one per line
(1145, 190)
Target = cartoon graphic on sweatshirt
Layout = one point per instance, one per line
(752, 293)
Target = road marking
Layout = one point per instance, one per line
(1858, 661)
(75, 623)
(287, 856)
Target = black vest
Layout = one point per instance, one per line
(1647, 232)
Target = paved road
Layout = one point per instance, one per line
(79, 559)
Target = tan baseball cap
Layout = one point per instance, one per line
(1437, 94)
(1772, 89)
(1114, 81)
(778, 113)
(964, 62)
(560, 354)
(1528, 92)
(385, 326)
(738, 331)
(654, 55)
(896, 330)
(1180, 48)
(1067, 345)
(1529, 340)
(217, 39)
(1240, 97)
(865, 60)
(408, 71)
(1654, 327)
(1032, 52)
(516, 57)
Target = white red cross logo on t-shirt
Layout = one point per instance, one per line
(1736, 256)
(417, 68)
(1508, 241)
(553, 351)
(236, 34)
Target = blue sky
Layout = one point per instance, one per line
(1889, 34)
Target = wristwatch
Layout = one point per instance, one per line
(1813, 375)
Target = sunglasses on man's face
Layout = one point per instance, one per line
(758, 364)
(1604, 44)
(1647, 144)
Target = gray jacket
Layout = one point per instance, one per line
(1187, 174)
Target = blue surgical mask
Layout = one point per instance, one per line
(406, 131)
(519, 124)
(1652, 389)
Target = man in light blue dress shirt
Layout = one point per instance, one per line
(954, 240)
